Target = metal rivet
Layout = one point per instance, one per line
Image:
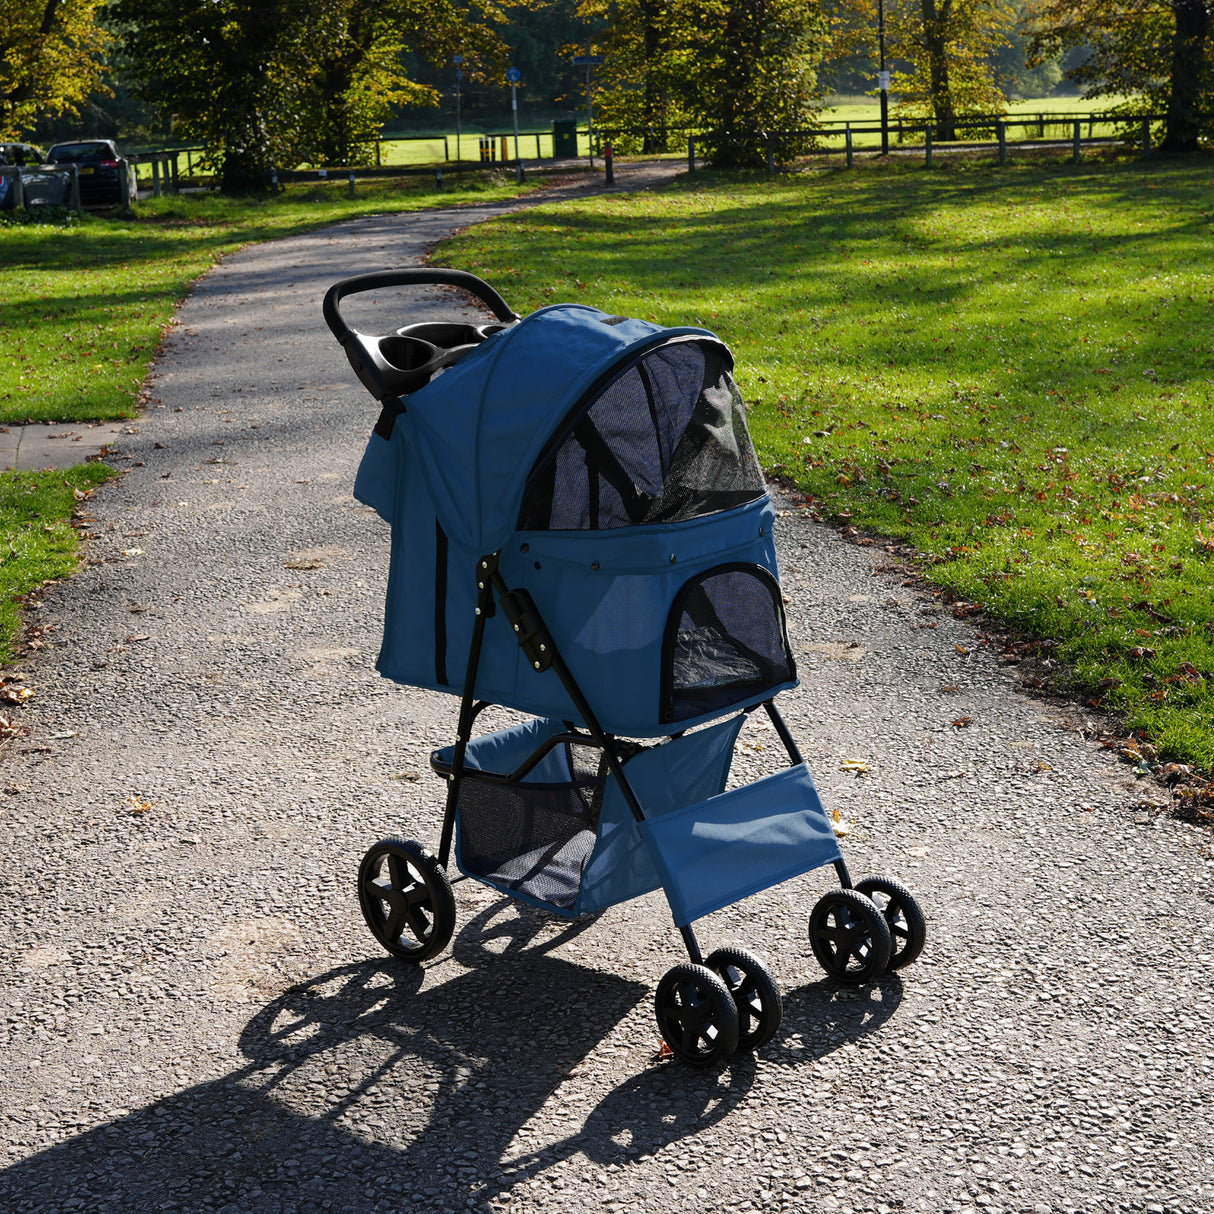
(537, 564)
(516, 628)
(537, 665)
(480, 585)
(484, 564)
(673, 558)
(543, 648)
(478, 611)
(595, 566)
(525, 548)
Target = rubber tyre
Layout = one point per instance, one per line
(406, 899)
(697, 1016)
(755, 994)
(907, 925)
(850, 937)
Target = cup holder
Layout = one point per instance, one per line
(409, 358)
(407, 353)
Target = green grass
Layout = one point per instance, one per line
(1011, 369)
(83, 305)
(37, 542)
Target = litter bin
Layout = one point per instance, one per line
(564, 137)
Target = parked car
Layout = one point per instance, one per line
(22, 155)
(99, 163)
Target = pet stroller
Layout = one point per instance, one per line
(581, 532)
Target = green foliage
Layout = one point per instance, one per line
(1159, 51)
(735, 69)
(1009, 369)
(37, 542)
(265, 83)
(50, 59)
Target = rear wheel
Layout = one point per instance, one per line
(849, 937)
(755, 994)
(406, 899)
(697, 1016)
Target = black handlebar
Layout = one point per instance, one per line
(414, 277)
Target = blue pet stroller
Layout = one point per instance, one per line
(581, 532)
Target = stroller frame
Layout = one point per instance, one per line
(711, 1005)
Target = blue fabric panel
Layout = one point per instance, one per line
(378, 476)
(505, 749)
(690, 768)
(748, 839)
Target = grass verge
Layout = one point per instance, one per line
(37, 541)
(1011, 369)
(84, 303)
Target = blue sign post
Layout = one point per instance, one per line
(512, 74)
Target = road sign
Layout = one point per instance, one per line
(513, 75)
(586, 60)
(883, 80)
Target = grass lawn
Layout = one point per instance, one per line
(1010, 368)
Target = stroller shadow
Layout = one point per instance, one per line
(366, 1087)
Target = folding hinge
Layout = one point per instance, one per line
(529, 630)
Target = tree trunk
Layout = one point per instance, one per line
(1189, 53)
(935, 24)
(653, 107)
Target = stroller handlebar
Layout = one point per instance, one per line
(395, 364)
(412, 277)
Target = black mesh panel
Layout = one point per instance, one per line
(532, 838)
(725, 643)
(663, 442)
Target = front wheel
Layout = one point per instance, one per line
(697, 1016)
(754, 991)
(907, 925)
(850, 937)
(406, 899)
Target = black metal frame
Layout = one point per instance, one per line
(536, 642)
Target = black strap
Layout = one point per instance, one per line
(440, 604)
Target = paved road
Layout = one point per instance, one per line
(197, 1020)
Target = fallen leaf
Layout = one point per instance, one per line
(960, 648)
(302, 565)
(137, 804)
(962, 722)
(132, 552)
(143, 636)
(853, 765)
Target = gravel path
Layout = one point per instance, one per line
(197, 1019)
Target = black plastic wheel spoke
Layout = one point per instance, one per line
(398, 871)
(418, 920)
(394, 923)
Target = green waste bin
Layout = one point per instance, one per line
(564, 137)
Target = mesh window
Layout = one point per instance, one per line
(725, 642)
(532, 838)
(665, 441)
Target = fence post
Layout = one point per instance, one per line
(691, 153)
(927, 148)
(18, 190)
(1040, 126)
(75, 190)
(847, 139)
(1075, 143)
(351, 180)
(1001, 134)
(124, 185)
(1146, 136)
(155, 176)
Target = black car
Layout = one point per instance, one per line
(100, 167)
(21, 155)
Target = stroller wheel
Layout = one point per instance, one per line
(907, 926)
(850, 936)
(754, 991)
(697, 1016)
(406, 899)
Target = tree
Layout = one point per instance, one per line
(234, 73)
(1161, 51)
(357, 74)
(50, 59)
(740, 70)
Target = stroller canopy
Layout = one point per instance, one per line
(480, 427)
(607, 462)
